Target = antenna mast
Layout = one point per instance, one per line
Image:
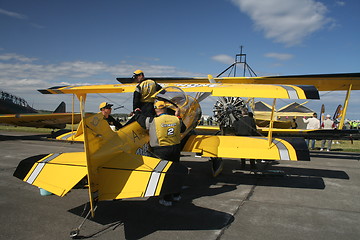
(239, 59)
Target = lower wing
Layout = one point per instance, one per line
(248, 147)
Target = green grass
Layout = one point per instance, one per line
(24, 129)
(344, 145)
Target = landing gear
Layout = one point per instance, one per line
(75, 232)
(217, 165)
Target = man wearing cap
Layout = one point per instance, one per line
(143, 99)
(165, 136)
(105, 109)
(327, 124)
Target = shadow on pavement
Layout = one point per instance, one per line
(143, 217)
(292, 177)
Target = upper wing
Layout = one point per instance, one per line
(52, 120)
(351, 134)
(168, 80)
(278, 131)
(216, 89)
(323, 82)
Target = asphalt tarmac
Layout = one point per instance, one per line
(319, 200)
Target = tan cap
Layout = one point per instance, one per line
(160, 104)
(137, 72)
(104, 105)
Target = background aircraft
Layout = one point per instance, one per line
(19, 113)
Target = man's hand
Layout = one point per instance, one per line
(137, 110)
(177, 112)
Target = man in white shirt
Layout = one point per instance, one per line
(312, 123)
(327, 124)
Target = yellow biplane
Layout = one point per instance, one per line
(114, 162)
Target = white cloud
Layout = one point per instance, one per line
(19, 16)
(22, 76)
(340, 3)
(13, 56)
(285, 21)
(38, 26)
(279, 56)
(12, 14)
(21, 67)
(223, 58)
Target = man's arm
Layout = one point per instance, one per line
(183, 126)
(112, 121)
(117, 124)
(137, 99)
(158, 87)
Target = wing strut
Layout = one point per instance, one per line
(72, 117)
(346, 102)
(271, 123)
(91, 178)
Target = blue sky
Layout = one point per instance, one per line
(50, 43)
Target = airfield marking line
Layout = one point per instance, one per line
(246, 199)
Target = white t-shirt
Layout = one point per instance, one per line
(312, 123)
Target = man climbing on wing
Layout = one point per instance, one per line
(143, 99)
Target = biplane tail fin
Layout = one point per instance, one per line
(96, 134)
(114, 172)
